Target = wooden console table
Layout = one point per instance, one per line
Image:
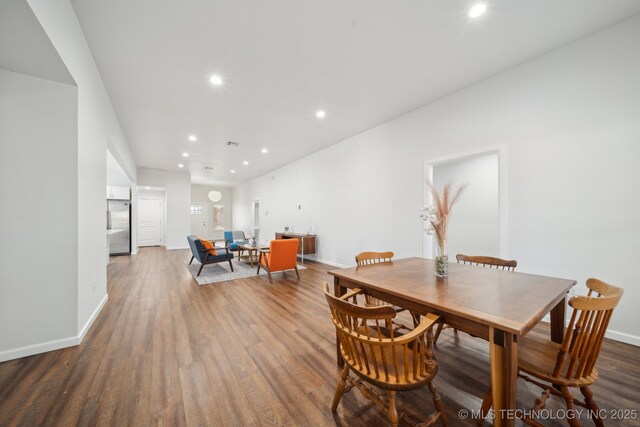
(307, 245)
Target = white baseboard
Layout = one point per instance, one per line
(335, 264)
(173, 248)
(613, 335)
(89, 322)
(30, 350)
(623, 337)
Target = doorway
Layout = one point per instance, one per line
(255, 209)
(201, 219)
(477, 225)
(150, 222)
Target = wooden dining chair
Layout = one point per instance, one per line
(369, 258)
(364, 259)
(379, 357)
(482, 261)
(557, 368)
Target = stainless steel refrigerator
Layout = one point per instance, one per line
(119, 227)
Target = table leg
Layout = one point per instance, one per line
(557, 321)
(338, 291)
(503, 351)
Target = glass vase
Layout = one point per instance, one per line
(442, 261)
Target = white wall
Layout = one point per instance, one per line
(178, 188)
(95, 127)
(97, 124)
(38, 219)
(200, 194)
(569, 120)
(474, 225)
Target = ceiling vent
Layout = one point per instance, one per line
(208, 168)
(232, 144)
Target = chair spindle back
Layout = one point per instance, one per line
(487, 261)
(583, 339)
(368, 343)
(368, 258)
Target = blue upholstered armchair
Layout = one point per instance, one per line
(203, 255)
(234, 238)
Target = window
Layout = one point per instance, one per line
(196, 210)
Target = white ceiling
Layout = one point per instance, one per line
(25, 47)
(363, 61)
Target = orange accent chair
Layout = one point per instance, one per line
(282, 255)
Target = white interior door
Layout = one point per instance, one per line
(149, 222)
(200, 220)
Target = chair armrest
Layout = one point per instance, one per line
(206, 251)
(427, 322)
(351, 293)
(264, 250)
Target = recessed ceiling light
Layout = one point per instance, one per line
(232, 171)
(147, 188)
(193, 138)
(180, 165)
(216, 80)
(320, 114)
(245, 163)
(185, 154)
(264, 151)
(477, 10)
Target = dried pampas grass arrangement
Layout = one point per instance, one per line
(437, 215)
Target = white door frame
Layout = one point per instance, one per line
(428, 165)
(253, 217)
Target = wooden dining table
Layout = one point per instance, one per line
(498, 306)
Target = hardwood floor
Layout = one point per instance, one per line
(165, 351)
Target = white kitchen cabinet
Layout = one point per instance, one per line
(118, 192)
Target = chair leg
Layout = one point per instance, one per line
(230, 265)
(592, 406)
(393, 411)
(259, 263)
(416, 320)
(571, 414)
(487, 402)
(538, 404)
(437, 334)
(437, 401)
(266, 267)
(342, 382)
(297, 273)
(201, 267)
(192, 257)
